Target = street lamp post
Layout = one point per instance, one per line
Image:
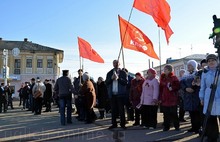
(5, 66)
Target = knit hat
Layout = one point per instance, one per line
(153, 71)
(193, 63)
(139, 74)
(212, 56)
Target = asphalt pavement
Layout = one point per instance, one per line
(19, 125)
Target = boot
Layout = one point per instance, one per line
(102, 114)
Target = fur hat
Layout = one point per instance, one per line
(193, 63)
(169, 67)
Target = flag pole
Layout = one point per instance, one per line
(123, 38)
(123, 57)
(159, 48)
(80, 65)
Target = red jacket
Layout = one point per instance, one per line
(169, 97)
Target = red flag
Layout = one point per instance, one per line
(134, 39)
(159, 10)
(86, 51)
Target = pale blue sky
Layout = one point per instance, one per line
(57, 24)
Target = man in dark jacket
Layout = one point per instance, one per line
(47, 95)
(25, 93)
(31, 99)
(79, 99)
(116, 81)
(8, 92)
(2, 99)
(64, 89)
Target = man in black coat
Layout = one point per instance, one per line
(79, 99)
(8, 91)
(2, 99)
(47, 95)
(31, 99)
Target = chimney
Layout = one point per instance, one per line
(25, 39)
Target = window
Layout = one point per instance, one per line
(49, 63)
(17, 66)
(17, 71)
(39, 63)
(29, 63)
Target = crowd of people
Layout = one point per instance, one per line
(129, 98)
(27, 98)
(5, 97)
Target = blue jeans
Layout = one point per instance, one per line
(65, 102)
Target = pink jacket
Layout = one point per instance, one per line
(150, 91)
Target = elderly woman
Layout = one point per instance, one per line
(88, 91)
(191, 95)
(135, 96)
(168, 97)
(149, 100)
(212, 130)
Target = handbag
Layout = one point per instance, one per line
(37, 93)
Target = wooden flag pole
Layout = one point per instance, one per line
(123, 38)
(159, 48)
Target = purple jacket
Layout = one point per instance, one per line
(150, 91)
(135, 91)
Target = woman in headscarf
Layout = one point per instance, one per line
(191, 95)
(149, 100)
(88, 91)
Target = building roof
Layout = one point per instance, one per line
(190, 57)
(195, 57)
(26, 46)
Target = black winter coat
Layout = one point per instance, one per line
(102, 95)
(48, 91)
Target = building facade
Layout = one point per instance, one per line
(26, 60)
(178, 64)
